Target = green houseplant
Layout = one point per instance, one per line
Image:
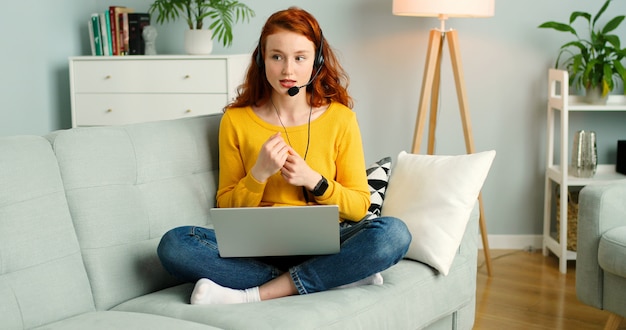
(222, 13)
(594, 63)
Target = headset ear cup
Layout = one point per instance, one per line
(319, 56)
(259, 58)
(260, 62)
(319, 61)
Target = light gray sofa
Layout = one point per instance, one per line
(601, 257)
(81, 214)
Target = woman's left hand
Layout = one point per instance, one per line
(298, 173)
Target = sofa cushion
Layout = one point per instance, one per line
(434, 196)
(394, 305)
(126, 186)
(377, 179)
(612, 251)
(42, 276)
(412, 297)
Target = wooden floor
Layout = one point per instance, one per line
(527, 291)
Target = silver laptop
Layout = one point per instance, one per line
(276, 231)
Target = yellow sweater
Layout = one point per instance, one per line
(335, 151)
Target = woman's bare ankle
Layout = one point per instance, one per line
(282, 286)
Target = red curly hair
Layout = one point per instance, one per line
(331, 83)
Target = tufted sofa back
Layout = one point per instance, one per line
(42, 276)
(126, 186)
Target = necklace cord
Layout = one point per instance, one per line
(308, 140)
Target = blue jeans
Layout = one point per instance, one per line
(367, 247)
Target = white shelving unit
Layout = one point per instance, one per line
(559, 101)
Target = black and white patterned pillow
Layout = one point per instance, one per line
(377, 178)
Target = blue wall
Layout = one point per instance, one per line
(505, 62)
(34, 82)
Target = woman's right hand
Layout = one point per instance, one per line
(271, 158)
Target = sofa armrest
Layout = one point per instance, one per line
(601, 208)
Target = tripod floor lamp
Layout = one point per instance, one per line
(429, 94)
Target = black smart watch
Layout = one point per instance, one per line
(320, 187)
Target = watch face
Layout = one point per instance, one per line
(321, 187)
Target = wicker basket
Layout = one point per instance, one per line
(572, 217)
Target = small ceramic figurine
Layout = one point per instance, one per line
(149, 36)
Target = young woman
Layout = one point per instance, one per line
(290, 138)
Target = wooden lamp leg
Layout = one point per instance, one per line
(613, 322)
(430, 92)
(434, 99)
(455, 57)
(433, 65)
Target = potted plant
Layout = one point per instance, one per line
(594, 63)
(223, 14)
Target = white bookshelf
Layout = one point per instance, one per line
(560, 104)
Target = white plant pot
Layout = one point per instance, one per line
(594, 96)
(198, 42)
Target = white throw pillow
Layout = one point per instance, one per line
(434, 196)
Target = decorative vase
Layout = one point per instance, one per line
(584, 154)
(593, 95)
(198, 42)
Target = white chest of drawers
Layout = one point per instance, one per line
(115, 90)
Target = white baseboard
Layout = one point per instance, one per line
(512, 242)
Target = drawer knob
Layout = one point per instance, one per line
(187, 76)
(107, 77)
(109, 110)
(188, 111)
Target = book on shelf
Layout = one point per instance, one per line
(123, 33)
(107, 18)
(136, 23)
(92, 42)
(117, 31)
(104, 36)
(114, 19)
(96, 33)
(121, 26)
(112, 29)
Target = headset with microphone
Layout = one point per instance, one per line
(318, 62)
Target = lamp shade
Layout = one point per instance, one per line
(449, 8)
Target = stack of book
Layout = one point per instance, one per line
(117, 31)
